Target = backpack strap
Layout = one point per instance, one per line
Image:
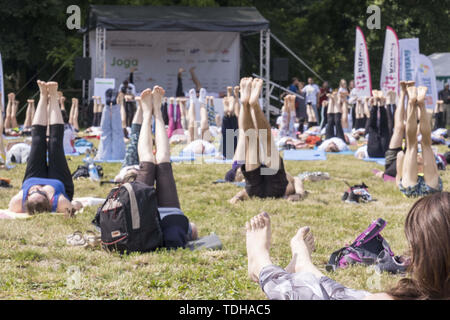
(371, 232)
(135, 218)
(334, 260)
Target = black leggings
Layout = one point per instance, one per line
(231, 124)
(179, 92)
(129, 110)
(334, 126)
(379, 136)
(439, 120)
(57, 167)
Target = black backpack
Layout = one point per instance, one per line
(129, 219)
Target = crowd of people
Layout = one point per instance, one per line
(140, 130)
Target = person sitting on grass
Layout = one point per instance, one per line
(46, 187)
(427, 230)
(263, 169)
(157, 169)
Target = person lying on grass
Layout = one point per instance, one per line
(427, 230)
(46, 187)
(263, 167)
(157, 169)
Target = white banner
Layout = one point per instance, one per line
(215, 57)
(2, 87)
(390, 73)
(427, 78)
(409, 51)
(362, 77)
(101, 86)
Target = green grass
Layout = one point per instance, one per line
(36, 263)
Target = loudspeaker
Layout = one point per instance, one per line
(82, 68)
(280, 69)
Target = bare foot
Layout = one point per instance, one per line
(256, 91)
(52, 88)
(42, 88)
(410, 84)
(412, 93)
(158, 94)
(302, 245)
(403, 86)
(245, 90)
(229, 91)
(147, 101)
(236, 92)
(421, 94)
(258, 244)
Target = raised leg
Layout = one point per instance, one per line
(409, 173)
(431, 174)
(145, 145)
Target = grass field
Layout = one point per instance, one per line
(36, 263)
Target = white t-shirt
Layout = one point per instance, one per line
(69, 139)
(194, 146)
(342, 146)
(311, 91)
(353, 96)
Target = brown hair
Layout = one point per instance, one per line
(40, 205)
(427, 230)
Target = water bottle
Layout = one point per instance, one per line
(93, 172)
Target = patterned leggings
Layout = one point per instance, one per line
(278, 284)
(131, 155)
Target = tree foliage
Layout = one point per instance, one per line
(35, 38)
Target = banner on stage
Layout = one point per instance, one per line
(363, 79)
(213, 56)
(101, 85)
(426, 77)
(2, 86)
(409, 51)
(390, 70)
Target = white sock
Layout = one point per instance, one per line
(202, 97)
(192, 96)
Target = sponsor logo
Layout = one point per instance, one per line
(213, 60)
(173, 61)
(194, 51)
(126, 63)
(226, 51)
(225, 61)
(424, 69)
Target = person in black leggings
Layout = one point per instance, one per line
(379, 135)
(334, 118)
(46, 187)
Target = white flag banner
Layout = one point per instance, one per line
(409, 51)
(427, 78)
(390, 70)
(2, 87)
(362, 77)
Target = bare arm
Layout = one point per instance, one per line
(15, 205)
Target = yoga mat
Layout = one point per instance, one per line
(76, 154)
(218, 161)
(191, 154)
(237, 184)
(211, 242)
(12, 138)
(105, 161)
(344, 153)
(304, 155)
(181, 159)
(385, 176)
(380, 161)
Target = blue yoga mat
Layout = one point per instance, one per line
(344, 153)
(304, 155)
(191, 154)
(181, 159)
(106, 161)
(76, 154)
(218, 161)
(373, 159)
